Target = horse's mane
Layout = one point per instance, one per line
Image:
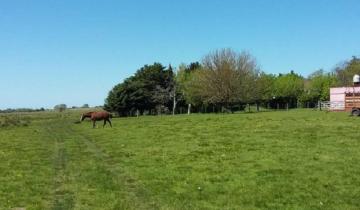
(87, 113)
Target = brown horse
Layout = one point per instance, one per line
(97, 116)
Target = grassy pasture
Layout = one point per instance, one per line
(299, 159)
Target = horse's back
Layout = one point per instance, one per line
(101, 115)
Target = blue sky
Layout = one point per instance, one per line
(74, 51)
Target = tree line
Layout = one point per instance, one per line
(224, 81)
(9, 110)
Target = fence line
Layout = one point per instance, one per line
(332, 105)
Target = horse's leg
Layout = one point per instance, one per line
(109, 122)
(104, 123)
(94, 123)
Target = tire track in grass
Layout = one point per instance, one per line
(63, 198)
(140, 198)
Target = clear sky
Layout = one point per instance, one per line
(74, 52)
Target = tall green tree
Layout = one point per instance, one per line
(187, 78)
(148, 89)
(345, 71)
(317, 87)
(288, 88)
(264, 88)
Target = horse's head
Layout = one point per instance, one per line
(85, 115)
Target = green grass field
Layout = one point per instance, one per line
(299, 159)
